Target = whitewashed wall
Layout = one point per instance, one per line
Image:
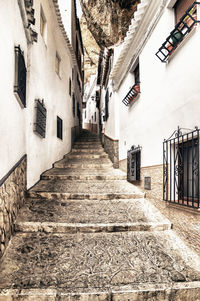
(46, 84)
(12, 120)
(169, 97)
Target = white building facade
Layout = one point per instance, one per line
(38, 118)
(155, 92)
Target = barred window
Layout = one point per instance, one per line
(41, 115)
(59, 128)
(20, 77)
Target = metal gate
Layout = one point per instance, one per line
(133, 163)
(181, 168)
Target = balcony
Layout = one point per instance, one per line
(177, 35)
(132, 95)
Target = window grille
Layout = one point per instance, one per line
(106, 105)
(59, 128)
(131, 96)
(73, 104)
(41, 115)
(182, 28)
(20, 77)
(133, 163)
(181, 168)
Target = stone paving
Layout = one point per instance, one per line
(95, 239)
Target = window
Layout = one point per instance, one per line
(57, 63)
(73, 104)
(186, 19)
(41, 115)
(43, 24)
(70, 87)
(95, 116)
(106, 105)
(180, 7)
(137, 74)
(133, 163)
(181, 168)
(20, 77)
(59, 128)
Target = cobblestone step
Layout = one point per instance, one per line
(90, 216)
(82, 156)
(89, 151)
(99, 267)
(99, 190)
(84, 174)
(87, 163)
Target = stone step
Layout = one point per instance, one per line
(84, 174)
(89, 151)
(90, 216)
(81, 155)
(99, 267)
(86, 163)
(88, 143)
(81, 190)
(89, 146)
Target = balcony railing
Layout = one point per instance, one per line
(132, 94)
(182, 28)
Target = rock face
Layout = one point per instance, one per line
(108, 20)
(103, 24)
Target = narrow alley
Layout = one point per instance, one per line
(85, 233)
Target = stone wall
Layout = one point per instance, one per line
(111, 147)
(12, 196)
(155, 173)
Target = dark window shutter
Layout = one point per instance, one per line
(41, 115)
(20, 76)
(59, 128)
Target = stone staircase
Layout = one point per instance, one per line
(87, 234)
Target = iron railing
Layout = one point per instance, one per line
(133, 163)
(131, 95)
(181, 168)
(41, 115)
(182, 28)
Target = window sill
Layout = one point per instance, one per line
(183, 42)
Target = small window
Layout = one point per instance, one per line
(95, 116)
(59, 128)
(20, 77)
(57, 63)
(43, 24)
(137, 74)
(180, 8)
(73, 104)
(70, 87)
(41, 115)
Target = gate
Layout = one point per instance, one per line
(181, 168)
(133, 164)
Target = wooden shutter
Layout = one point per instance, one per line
(180, 8)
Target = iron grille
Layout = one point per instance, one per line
(131, 95)
(41, 115)
(59, 128)
(181, 168)
(20, 76)
(133, 163)
(106, 105)
(182, 28)
(73, 104)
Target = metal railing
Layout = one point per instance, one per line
(181, 168)
(132, 94)
(182, 28)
